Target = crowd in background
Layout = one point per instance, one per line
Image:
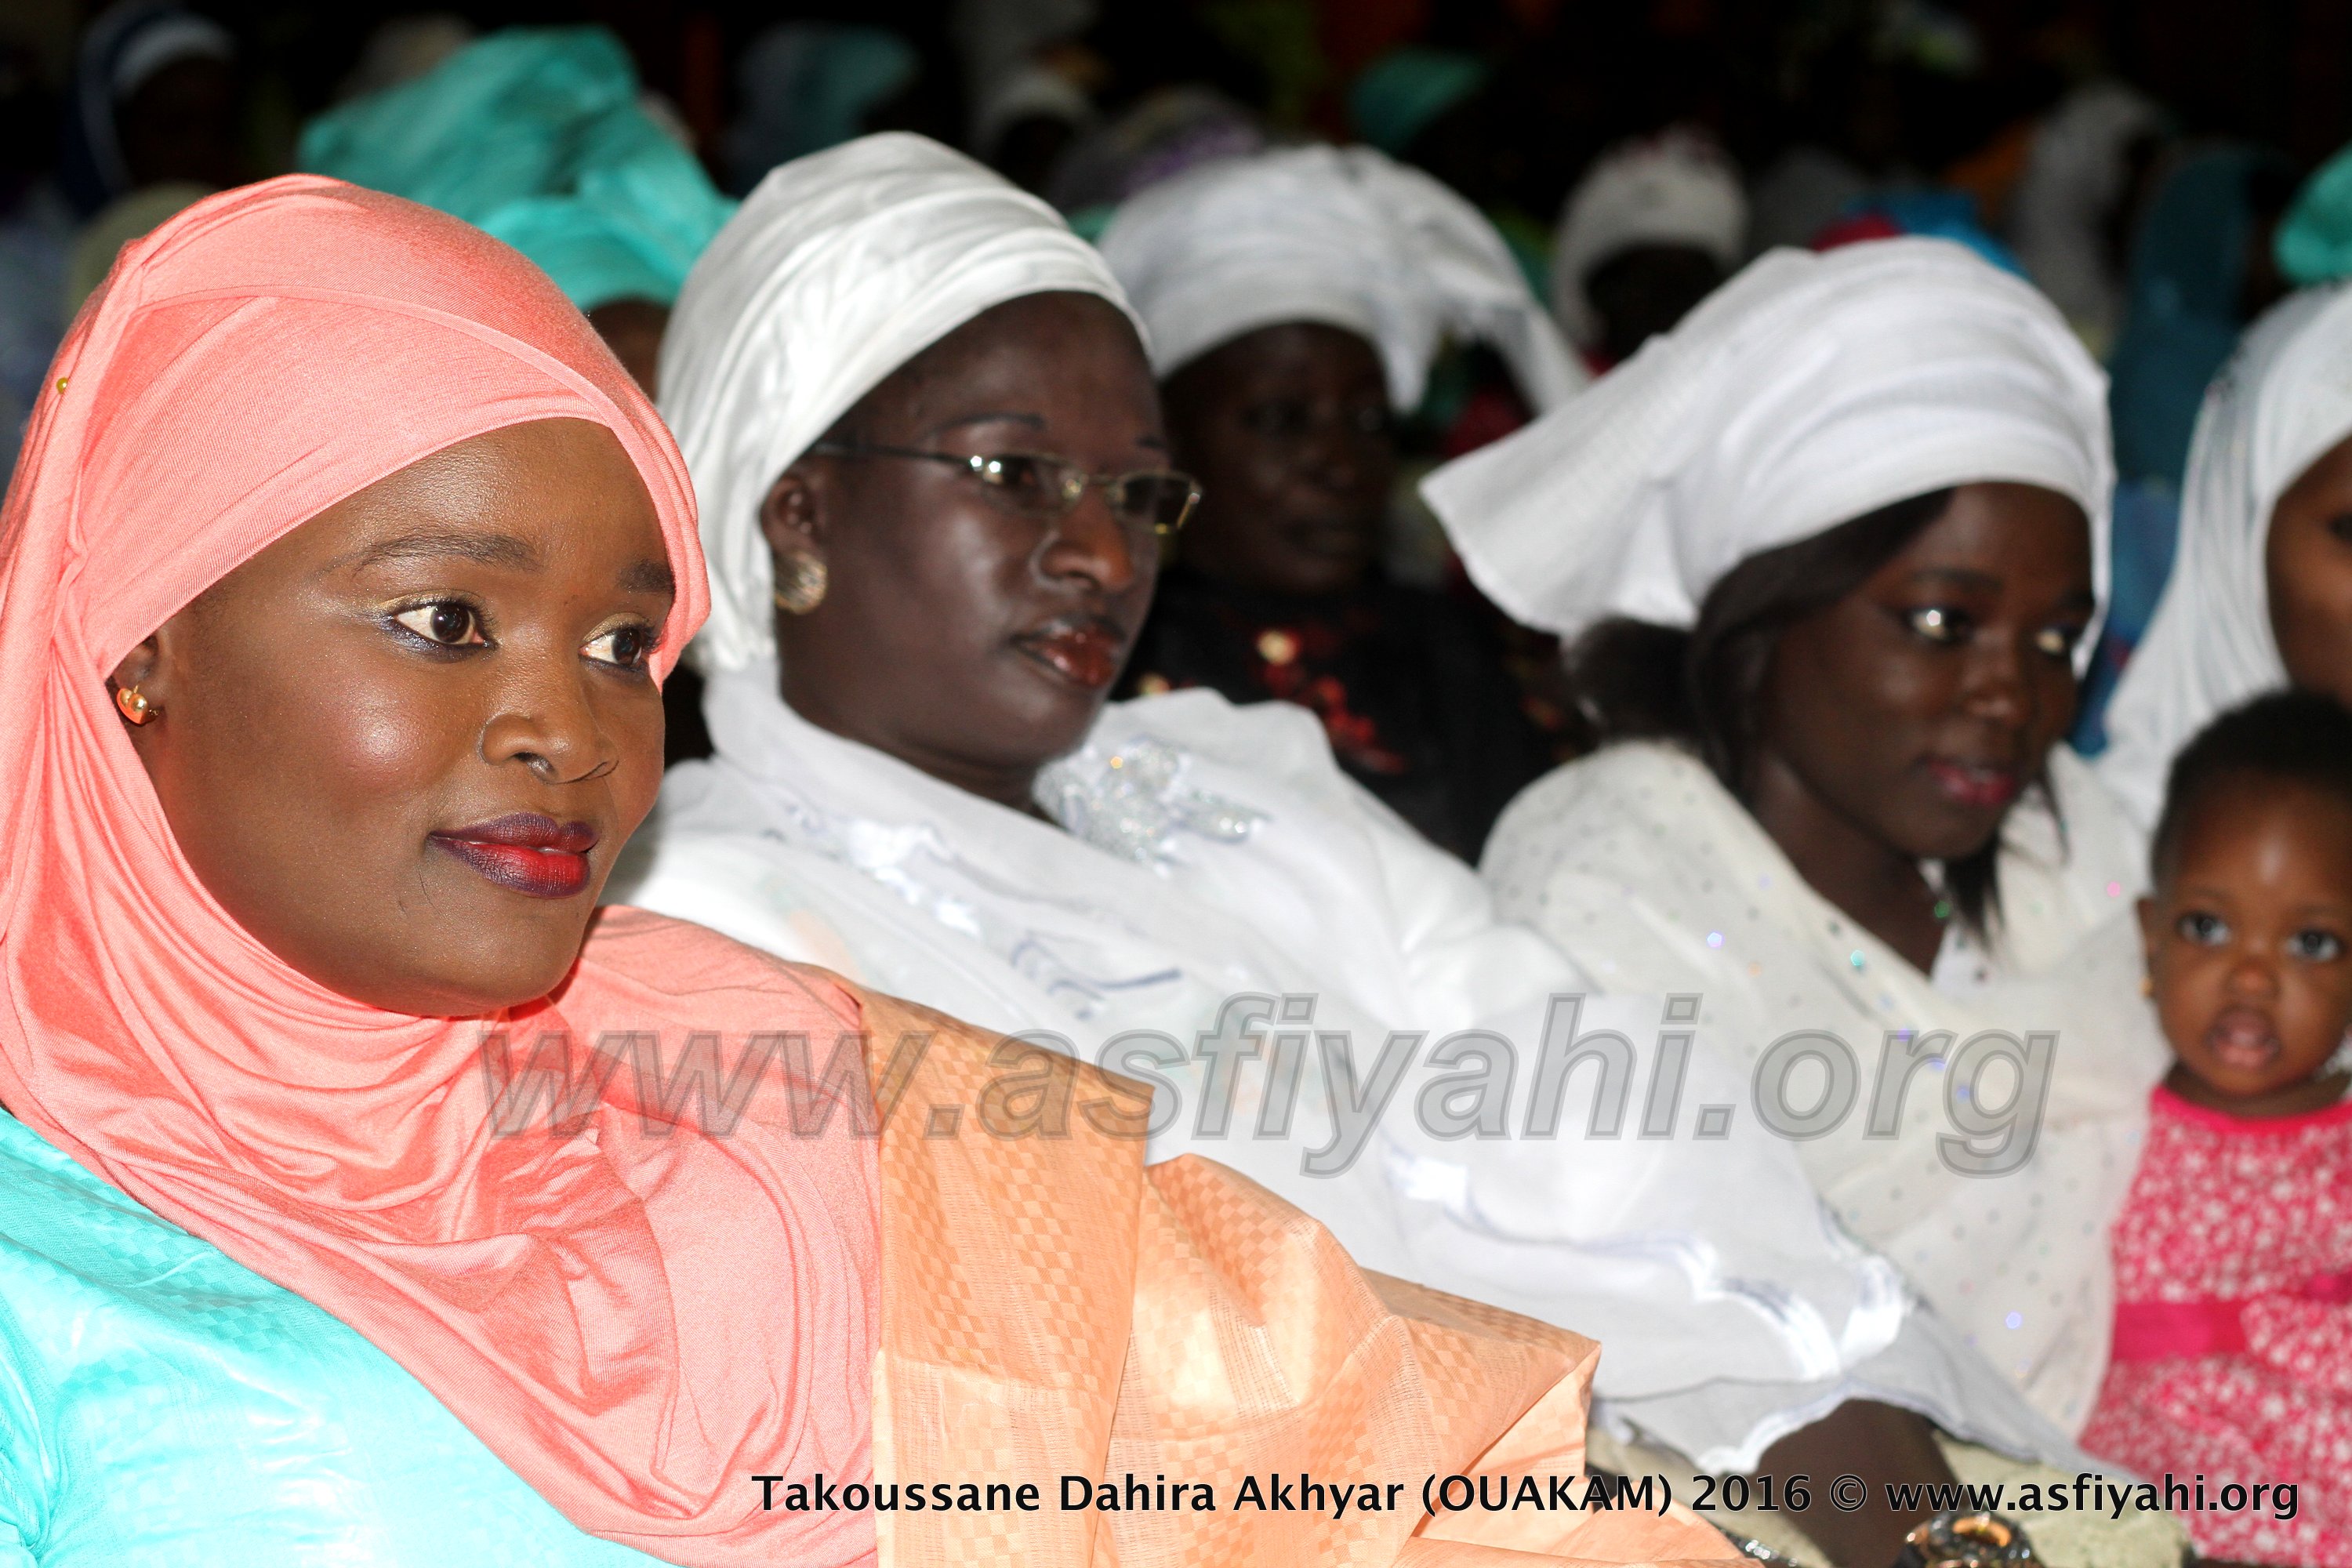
(1633, 158)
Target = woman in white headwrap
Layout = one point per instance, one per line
(2261, 590)
(1652, 228)
(1294, 300)
(1832, 549)
(929, 794)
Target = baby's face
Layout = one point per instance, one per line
(2249, 941)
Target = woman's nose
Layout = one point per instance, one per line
(1330, 454)
(547, 720)
(1092, 544)
(1995, 684)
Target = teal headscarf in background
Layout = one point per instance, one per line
(2315, 239)
(536, 134)
(1404, 91)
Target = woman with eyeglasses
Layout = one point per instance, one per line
(1294, 300)
(933, 484)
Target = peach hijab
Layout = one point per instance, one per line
(636, 1320)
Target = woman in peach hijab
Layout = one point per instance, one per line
(348, 1209)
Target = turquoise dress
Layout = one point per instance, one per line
(163, 1406)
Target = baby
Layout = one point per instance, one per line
(2232, 1359)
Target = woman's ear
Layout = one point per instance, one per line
(791, 515)
(792, 518)
(138, 682)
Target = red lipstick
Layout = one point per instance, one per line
(1083, 652)
(527, 852)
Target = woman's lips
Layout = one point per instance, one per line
(1084, 653)
(1980, 784)
(527, 852)
(2243, 1039)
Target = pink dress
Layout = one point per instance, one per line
(2234, 1326)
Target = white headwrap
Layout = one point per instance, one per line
(1674, 189)
(841, 267)
(1342, 235)
(1806, 392)
(2283, 400)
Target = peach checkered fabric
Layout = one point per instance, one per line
(1052, 1308)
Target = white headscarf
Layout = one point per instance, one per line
(1808, 390)
(2076, 172)
(1674, 189)
(2283, 400)
(841, 267)
(1342, 235)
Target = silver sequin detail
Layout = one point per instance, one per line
(1134, 803)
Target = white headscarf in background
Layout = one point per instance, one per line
(1808, 390)
(841, 267)
(1674, 189)
(1342, 235)
(2283, 400)
(2076, 171)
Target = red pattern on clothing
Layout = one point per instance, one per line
(2250, 1219)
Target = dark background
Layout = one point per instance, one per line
(1574, 74)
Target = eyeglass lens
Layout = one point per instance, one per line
(1050, 488)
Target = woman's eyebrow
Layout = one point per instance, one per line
(1034, 421)
(647, 575)
(485, 549)
(1960, 577)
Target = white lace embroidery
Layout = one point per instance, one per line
(1133, 802)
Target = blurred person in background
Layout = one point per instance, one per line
(1651, 230)
(1172, 93)
(807, 85)
(155, 120)
(1294, 301)
(155, 100)
(2071, 215)
(540, 136)
(1029, 77)
(37, 230)
(2202, 268)
(2260, 595)
(402, 48)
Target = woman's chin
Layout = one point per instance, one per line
(469, 969)
(1938, 829)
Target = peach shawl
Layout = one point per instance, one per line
(633, 1322)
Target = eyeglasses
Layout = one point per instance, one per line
(1153, 501)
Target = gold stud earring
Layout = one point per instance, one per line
(801, 582)
(134, 707)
